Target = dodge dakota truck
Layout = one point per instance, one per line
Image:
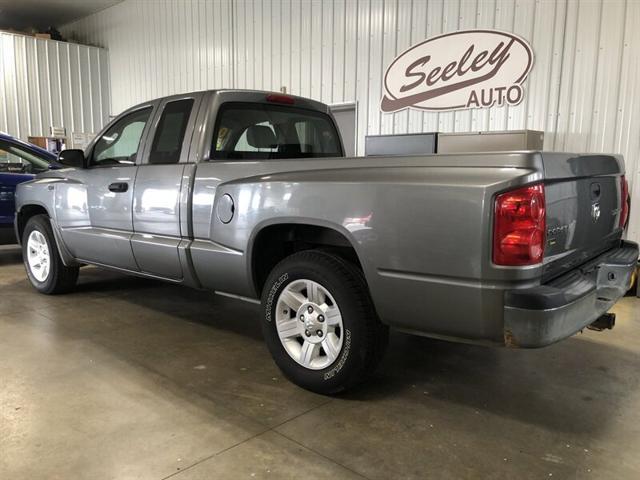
(248, 194)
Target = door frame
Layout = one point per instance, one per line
(149, 245)
(142, 146)
(81, 230)
(155, 120)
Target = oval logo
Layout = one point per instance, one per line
(459, 70)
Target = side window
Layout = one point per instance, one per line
(16, 160)
(167, 143)
(119, 144)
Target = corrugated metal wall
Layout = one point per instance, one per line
(161, 47)
(46, 83)
(583, 91)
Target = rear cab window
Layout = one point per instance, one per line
(262, 131)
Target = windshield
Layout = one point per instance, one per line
(261, 131)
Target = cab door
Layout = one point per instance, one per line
(17, 165)
(94, 205)
(161, 191)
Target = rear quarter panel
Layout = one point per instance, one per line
(420, 227)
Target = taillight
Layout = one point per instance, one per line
(278, 98)
(624, 202)
(519, 226)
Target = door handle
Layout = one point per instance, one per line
(119, 187)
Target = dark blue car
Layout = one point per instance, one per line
(19, 162)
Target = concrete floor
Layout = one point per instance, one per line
(131, 378)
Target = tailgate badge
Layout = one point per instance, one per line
(595, 212)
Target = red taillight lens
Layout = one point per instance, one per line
(624, 201)
(519, 226)
(277, 98)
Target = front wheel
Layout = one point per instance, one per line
(45, 269)
(319, 322)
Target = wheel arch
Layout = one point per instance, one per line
(272, 241)
(26, 212)
(29, 210)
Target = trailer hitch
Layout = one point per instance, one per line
(605, 321)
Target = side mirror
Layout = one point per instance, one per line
(72, 158)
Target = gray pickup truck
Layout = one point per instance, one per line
(248, 194)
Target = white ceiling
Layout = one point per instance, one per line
(24, 14)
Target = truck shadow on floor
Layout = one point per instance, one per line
(10, 255)
(576, 386)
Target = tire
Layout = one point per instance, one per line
(38, 242)
(345, 347)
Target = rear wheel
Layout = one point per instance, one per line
(319, 322)
(45, 269)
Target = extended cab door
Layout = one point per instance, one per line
(94, 206)
(161, 188)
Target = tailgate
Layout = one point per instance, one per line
(583, 200)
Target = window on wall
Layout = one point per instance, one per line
(261, 131)
(119, 144)
(167, 143)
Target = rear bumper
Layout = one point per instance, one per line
(543, 315)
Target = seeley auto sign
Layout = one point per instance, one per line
(459, 70)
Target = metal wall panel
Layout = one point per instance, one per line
(46, 83)
(583, 92)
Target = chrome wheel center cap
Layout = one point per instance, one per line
(312, 318)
